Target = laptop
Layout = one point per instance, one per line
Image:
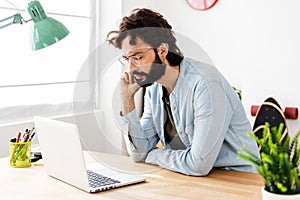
(64, 160)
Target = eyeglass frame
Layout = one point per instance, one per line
(136, 60)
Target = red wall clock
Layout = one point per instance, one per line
(201, 4)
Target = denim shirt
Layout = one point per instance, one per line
(209, 118)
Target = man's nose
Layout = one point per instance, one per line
(132, 66)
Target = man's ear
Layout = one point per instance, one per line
(163, 50)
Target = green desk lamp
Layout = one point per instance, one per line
(46, 30)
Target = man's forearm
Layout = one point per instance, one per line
(128, 106)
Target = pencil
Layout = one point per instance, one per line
(15, 147)
(19, 153)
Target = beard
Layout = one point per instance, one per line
(156, 72)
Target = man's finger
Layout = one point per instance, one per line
(125, 77)
(131, 78)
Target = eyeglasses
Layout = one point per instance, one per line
(134, 59)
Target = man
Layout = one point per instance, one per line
(188, 105)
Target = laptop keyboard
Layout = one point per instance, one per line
(97, 180)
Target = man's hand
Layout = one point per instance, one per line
(128, 88)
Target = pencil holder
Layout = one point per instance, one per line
(20, 154)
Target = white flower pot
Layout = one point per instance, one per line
(272, 196)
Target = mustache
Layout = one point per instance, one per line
(139, 73)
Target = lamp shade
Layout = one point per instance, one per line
(46, 30)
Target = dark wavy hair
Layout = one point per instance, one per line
(152, 28)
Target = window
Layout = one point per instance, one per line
(29, 79)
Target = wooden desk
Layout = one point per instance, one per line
(33, 183)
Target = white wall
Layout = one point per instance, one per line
(255, 44)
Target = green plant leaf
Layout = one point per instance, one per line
(281, 187)
(266, 158)
(285, 146)
(251, 158)
(252, 135)
(295, 181)
(295, 150)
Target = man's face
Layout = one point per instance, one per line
(143, 61)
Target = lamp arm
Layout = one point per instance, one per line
(17, 19)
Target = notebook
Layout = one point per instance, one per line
(64, 160)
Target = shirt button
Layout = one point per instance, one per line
(173, 108)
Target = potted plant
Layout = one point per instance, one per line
(278, 163)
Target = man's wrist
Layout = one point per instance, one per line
(125, 112)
